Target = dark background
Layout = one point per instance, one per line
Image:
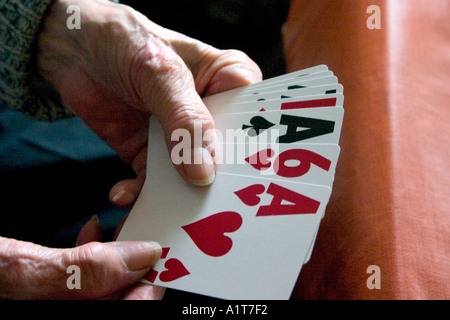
(55, 176)
(253, 26)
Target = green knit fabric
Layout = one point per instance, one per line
(21, 88)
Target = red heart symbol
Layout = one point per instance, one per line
(249, 195)
(260, 160)
(175, 270)
(151, 275)
(208, 233)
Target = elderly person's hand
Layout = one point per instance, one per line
(106, 270)
(113, 73)
(120, 68)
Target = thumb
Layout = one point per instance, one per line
(30, 271)
(174, 101)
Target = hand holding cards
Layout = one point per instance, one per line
(247, 235)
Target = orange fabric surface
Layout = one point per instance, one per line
(390, 205)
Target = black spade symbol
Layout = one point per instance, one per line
(258, 125)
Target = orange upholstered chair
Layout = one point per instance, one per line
(390, 205)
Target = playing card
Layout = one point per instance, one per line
(302, 163)
(220, 100)
(248, 234)
(240, 238)
(290, 92)
(303, 102)
(313, 80)
(311, 247)
(317, 125)
(304, 80)
(293, 75)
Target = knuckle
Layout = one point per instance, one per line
(95, 262)
(158, 72)
(189, 118)
(152, 56)
(242, 61)
(236, 56)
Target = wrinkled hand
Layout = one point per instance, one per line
(120, 68)
(107, 270)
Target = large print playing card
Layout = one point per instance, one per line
(325, 85)
(248, 234)
(303, 163)
(318, 125)
(240, 238)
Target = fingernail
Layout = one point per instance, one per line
(123, 196)
(138, 255)
(201, 171)
(94, 219)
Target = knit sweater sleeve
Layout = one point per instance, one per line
(21, 88)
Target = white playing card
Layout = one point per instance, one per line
(294, 75)
(252, 252)
(297, 76)
(311, 248)
(248, 234)
(304, 79)
(301, 163)
(223, 99)
(290, 93)
(313, 80)
(313, 101)
(317, 125)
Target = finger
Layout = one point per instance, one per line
(168, 91)
(140, 291)
(90, 232)
(144, 291)
(221, 70)
(125, 193)
(31, 271)
(232, 68)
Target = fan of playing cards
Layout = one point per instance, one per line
(248, 234)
